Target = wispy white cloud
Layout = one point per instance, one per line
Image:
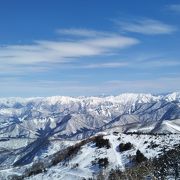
(106, 65)
(82, 32)
(43, 52)
(149, 61)
(146, 63)
(162, 63)
(174, 7)
(112, 42)
(146, 26)
(157, 85)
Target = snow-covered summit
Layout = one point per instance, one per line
(175, 96)
(121, 98)
(22, 116)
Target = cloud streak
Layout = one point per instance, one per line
(106, 65)
(146, 26)
(174, 7)
(43, 52)
(82, 32)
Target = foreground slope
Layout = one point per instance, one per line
(85, 161)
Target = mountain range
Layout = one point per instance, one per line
(78, 117)
(44, 128)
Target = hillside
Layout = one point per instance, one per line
(86, 159)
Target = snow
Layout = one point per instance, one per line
(32, 114)
(122, 98)
(89, 152)
(30, 118)
(175, 96)
(173, 124)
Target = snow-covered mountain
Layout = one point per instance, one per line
(81, 116)
(33, 129)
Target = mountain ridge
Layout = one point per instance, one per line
(31, 129)
(17, 116)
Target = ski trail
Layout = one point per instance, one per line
(116, 154)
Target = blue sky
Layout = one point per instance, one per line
(78, 47)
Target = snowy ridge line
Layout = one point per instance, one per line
(131, 112)
(123, 97)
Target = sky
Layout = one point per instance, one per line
(89, 47)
